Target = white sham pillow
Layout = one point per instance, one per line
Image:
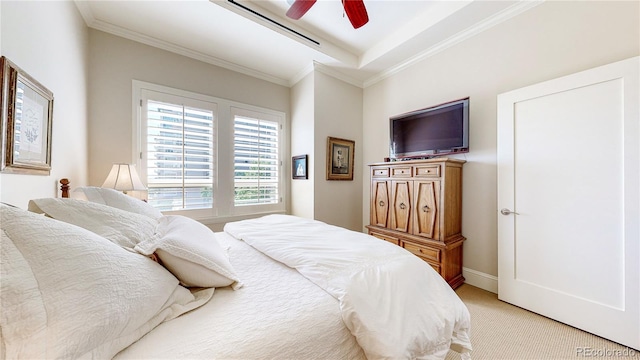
(68, 293)
(191, 252)
(186, 247)
(117, 199)
(120, 226)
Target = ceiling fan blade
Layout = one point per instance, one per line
(299, 8)
(356, 12)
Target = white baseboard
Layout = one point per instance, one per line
(480, 280)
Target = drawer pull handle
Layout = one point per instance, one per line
(381, 203)
(402, 206)
(425, 208)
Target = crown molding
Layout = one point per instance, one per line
(336, 74)
(91, 22)
(490, 22)
(301, 74)
(165, 45)
(319, 67)
(85, 12)
(514, 10)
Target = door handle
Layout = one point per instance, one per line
(506, 211)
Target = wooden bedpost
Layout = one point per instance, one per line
(64, 187)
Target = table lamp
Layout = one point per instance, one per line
(123, 177)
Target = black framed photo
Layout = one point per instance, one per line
(299, 167)
(27, 112)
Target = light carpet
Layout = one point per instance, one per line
(502, 331)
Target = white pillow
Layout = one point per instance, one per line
(69, 293)
(186, 247)
(119, 200)
(191, 252)
(120, 226)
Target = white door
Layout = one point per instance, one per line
(569, 200)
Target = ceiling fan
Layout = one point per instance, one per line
(355, 10)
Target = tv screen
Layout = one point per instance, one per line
(437, 130)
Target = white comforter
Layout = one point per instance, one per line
(395, 304)
(272, 317)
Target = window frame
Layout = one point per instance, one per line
(150, 95)
(251, 114)
(224, 208)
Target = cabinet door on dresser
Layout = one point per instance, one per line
(417, 204)
(401, 193)
(427, 210)
(380, 203)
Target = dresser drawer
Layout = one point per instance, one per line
(380, 172)
(423, 251)
(401, 172)
(427, 170)
(435, 266)
(390, 239)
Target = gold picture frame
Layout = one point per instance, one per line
(27, 114)
(340, 157)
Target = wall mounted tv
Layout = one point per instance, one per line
(430, 132)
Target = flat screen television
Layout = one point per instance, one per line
(430, 132)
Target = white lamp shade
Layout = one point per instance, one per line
(123, 177)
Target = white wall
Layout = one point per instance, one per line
(548, 41)
(323, 106)
(115, 62)
(338, 113)
(302, 124)
(49, 41)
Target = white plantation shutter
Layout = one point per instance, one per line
(206, 157)
(256, 158)
(180, 156)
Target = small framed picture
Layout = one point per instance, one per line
(299, 167)
(27, 112)
(340, 157)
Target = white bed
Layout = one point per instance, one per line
(324, 304)
(269, 315)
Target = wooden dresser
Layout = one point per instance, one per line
(417, 204)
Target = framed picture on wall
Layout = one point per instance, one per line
(27, 113)
(299, 167)
(340, 156)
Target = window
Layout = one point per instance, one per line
(256, 160)
(179, 155)
(207, 157)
